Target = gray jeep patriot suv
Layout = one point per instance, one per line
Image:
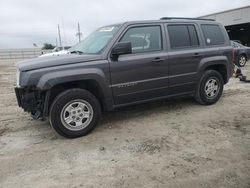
(125, 64)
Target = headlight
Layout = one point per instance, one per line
(17, 78)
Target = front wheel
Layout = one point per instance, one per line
(210, 88)
(74, 113)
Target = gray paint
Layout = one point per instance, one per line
(132, 78)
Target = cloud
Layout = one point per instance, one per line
(33, 21)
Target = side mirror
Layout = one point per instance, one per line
(121, 48)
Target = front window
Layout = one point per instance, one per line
(144, 39)
(97, 41)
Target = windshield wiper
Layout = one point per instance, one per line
(76, 52)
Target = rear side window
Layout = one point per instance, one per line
(213, 34)
(182, 36)
(144, 38)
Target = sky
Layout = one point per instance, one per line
(25, 22)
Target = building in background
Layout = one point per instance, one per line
(236, 22)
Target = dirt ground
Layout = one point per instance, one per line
(176, 143)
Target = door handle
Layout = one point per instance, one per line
(158, 59)
(196, 55)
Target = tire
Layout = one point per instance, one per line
(242, 60)
(74, 113)
(206, 92)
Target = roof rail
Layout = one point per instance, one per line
(183, 18)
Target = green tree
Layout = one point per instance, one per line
(47, 46)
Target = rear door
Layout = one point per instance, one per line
(143, 74)
(185, 53)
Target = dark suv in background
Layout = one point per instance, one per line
(126, 64)
(241, 53)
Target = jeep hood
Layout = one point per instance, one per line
(38, 63)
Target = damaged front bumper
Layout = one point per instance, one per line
(31, 100)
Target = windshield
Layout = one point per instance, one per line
(96, 41)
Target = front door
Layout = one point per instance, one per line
(142, 75)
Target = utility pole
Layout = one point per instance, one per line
(79, 34)
(59, 36)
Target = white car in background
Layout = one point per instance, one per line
(57, 51)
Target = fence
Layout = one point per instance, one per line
(25, 53)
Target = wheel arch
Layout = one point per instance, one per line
(93, 81)
(219, 64)
(89, 85)
(243, 53)
(221, 68)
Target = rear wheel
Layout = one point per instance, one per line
(242, 60)
(74, 113)
(210, 88)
